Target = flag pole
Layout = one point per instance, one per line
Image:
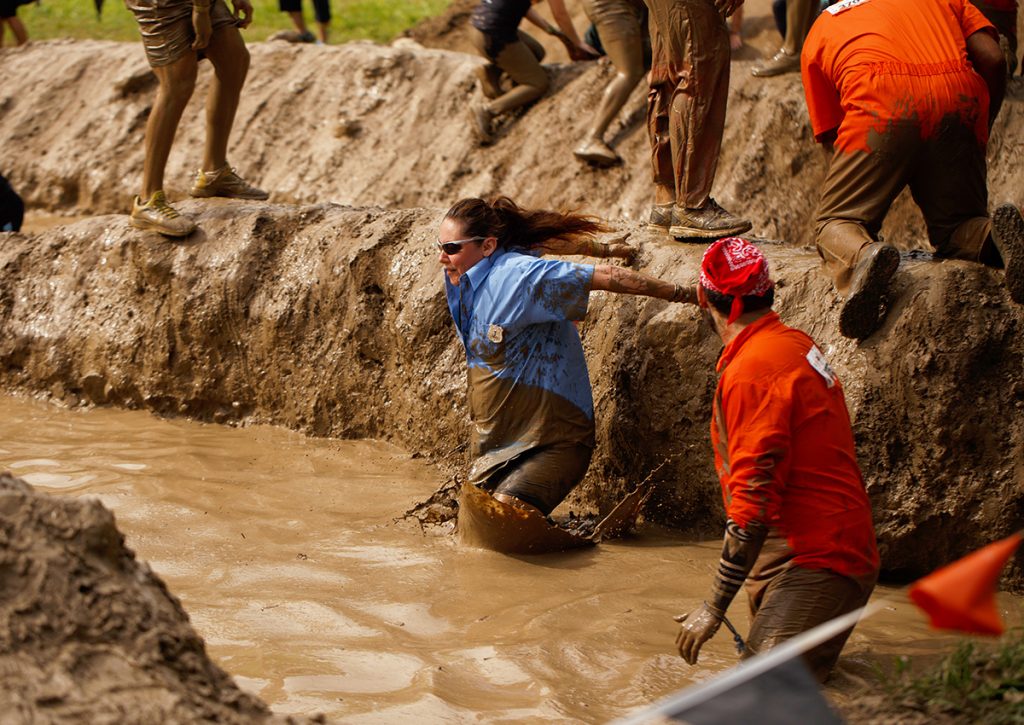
(755, 666)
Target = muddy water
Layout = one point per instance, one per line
(284, 551)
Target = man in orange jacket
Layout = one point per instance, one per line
(798, 531)
(903, 93)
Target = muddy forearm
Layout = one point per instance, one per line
(564, 20)
(739, 552)
(628, 282)
(537, 19)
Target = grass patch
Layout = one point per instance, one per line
(976, 684)
(379, 20)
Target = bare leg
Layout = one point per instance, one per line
(626, 55)
(298, 21)
(323, 28)
(230, 60)
(18, 29)
(177, 81)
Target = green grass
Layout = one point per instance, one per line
(974, 684)
(380, 20)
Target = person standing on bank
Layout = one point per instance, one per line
(689, 89)
(529, 392)
(495, 33)
(177, 34)
(798, 527)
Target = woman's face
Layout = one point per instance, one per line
(457, 264)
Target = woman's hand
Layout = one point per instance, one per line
(201, 24)
(243, 13)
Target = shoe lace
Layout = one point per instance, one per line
(160, 206)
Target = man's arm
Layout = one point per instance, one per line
(201, 23)
(629, 282)
(565, 32)
(988, 60)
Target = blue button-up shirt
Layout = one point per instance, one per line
(528, 380)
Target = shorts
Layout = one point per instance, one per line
(8, 8)
(321, 9)
(544, 476)
(166, 27)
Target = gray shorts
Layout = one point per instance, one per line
(166, 27)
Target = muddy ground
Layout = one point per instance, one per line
(323, 309)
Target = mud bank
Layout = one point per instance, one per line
(332, 320)
(89, 634)
(372, 125)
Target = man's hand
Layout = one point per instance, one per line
(201, 25)
(695, 629)
(243, 13)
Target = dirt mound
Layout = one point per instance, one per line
(88, 634)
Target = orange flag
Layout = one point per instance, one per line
(962, 595)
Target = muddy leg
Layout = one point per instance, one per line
(230, 60)
(177, 81)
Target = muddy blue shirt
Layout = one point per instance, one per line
(528, 381)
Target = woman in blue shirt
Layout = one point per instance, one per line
(529, 391)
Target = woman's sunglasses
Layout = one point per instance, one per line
(455, 246)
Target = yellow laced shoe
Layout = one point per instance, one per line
(225, 182)
(157, 215)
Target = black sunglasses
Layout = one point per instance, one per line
(455, 246)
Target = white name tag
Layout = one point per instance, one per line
(821, 366)
(844, 5)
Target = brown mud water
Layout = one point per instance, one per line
(286, 553)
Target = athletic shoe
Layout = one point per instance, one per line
(225, 182)
(597, 152)
(157, 215)
(780, 63)
(862, 311)
(1008, 236)
(709, 222)
(661, 217)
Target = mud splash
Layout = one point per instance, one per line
(285, 552)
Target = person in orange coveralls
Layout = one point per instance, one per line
(1003, 15)
(798, 530)
(903, 92)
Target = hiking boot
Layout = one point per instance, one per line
(489, 76)
(156, 215)
(225, 182)
(780, 63)
(483, 125)
(1008, 236)
(862, 311)
(661, 217)
(597, 152)
(709, 222)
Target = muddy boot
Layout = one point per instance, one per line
(862, 311)
(661, 217)
(709, 222)
(1008, 236)
(489, 76)
(597, 152)
(483, 124)
(156, 215)
(225, 182)
(780, 63)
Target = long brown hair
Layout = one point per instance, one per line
(518, 228)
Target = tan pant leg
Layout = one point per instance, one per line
(690, 85)
(658, 98)
(798, 600)
(799, 14)
(856, 195)
(949, 186)
(521, 60)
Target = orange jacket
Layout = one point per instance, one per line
(784, 449)
(870, 63)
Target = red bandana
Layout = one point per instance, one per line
(735, 267)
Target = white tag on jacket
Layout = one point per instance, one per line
(820, 364)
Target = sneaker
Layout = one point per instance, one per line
(1008, 236)
(225, 182)
(307, 37)
(597, 152)
(862, 311)
(489, 76)
(482, 124)
(780, 63)
(709, 222)
(157, 215)
(661, 217)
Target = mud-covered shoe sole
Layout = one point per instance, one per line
(1008, 234)
(204, 193)
(148, 226)
(596, 158)
(682, 232)
(862, 312)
